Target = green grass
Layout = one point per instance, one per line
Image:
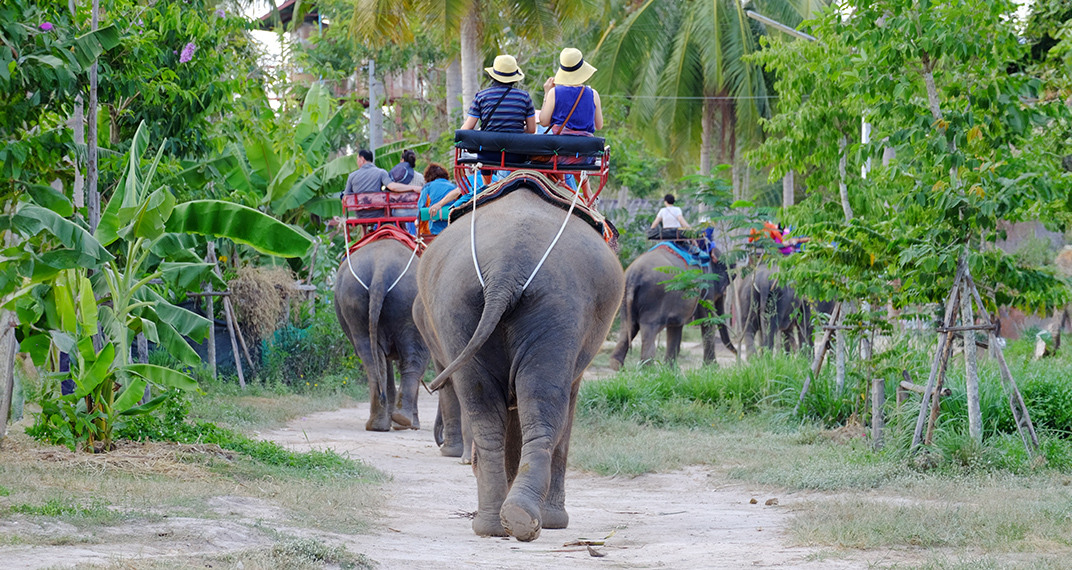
(96, 512)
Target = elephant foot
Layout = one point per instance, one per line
(449, 450)
(378, 423)
(615, 365)
(554, 517)
(484, 525)
(403, 421)
(519, 522)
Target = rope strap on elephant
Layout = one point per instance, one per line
(386, 231)
(686, 256)
(549, 190)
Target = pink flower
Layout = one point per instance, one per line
(220, 13)
(187, 53)
(46, 27)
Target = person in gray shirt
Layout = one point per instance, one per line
(370, 178)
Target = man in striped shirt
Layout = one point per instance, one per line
(502, 108)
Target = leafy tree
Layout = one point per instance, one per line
(685, 60)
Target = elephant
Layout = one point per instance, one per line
(648, 308)
(514, 355)
(773, 310)
(379, 323)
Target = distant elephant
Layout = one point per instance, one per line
(648, 308)
(773, 310)
(515, 355)
(380, 326)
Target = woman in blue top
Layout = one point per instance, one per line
(438, 191)
(569, 106)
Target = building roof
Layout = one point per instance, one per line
(286, 14)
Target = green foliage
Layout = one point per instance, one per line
(174, 427)
(974, 146)
(301, 357)
(98, 510)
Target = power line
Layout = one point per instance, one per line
(691, 98)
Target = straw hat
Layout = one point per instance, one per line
(573, 69)
(505, 69)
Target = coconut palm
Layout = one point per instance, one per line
(480, 24)
(701, 72)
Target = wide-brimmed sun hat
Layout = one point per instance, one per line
(573, 69)
(505, 69)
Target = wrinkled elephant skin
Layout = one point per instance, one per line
(515, 358)
(648, 308)
(380, 326)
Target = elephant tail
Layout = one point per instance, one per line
(723, 330)
(495, 306)
(379, 360)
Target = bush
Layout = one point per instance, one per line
(295, 355)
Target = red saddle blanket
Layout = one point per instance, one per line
(551, 192)
(389, 231)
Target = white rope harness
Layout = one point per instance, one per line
(472, 237)
(346, 238)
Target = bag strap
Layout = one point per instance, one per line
(579, 95)
(496, 107)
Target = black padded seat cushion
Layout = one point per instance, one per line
(472, 159)
(521, 143)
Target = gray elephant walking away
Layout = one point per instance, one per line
(774, 310)
(648, 308)
(515, 357)
(380, 326)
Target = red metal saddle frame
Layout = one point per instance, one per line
(462, 172)
(381, 202)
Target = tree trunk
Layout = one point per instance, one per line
(707, 136)
(375, 108)
(843, 177)
(78, 125)
(788, 189)
(453, 74)
(93, 196)
(470, 56)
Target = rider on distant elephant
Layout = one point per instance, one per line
(437, 193)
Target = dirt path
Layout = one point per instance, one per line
(685, 519)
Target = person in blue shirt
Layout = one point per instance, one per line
(502, 108)
(569, 106)
(437, 193)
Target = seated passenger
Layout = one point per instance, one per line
(569, 106)
(437, 193)
(371, 179)
(502, 108)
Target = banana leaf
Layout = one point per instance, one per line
(187, 323)
(240, 224)
(284, 180)
(32, 220)
(87, 47)
(189, 276)
(178, 248)
(310, 186)
(324, 206)
(50, 198)
(161, 376)
(262, 158)
(131, 395)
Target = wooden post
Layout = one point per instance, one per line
(937, 395)
(227, 306)
(210, 312)
(231, 324)
(971, 367)
(839, 352)
(902, 390)
(878, 402)
(143, 358)
(943, 339)
(8, 348)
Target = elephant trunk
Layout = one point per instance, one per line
(497, 300)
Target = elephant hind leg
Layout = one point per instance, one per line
(673, 342)
(379, 413)
(648, 334)
(625, 339)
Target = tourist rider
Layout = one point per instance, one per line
(370, 179)
(672, 219)
(502, 108)
(569, 106)
(437, 193)
(405, 171)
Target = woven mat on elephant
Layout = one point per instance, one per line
(389, 231)
(552, 192)
(688, 257)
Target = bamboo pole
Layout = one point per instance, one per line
(1016, 400)
(943, 339)
(936, 397)
(878, 402)
(817, 364)
(971, 366)
(231, 324)
(210, 310)
(227, 306)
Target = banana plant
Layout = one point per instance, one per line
(152, 238)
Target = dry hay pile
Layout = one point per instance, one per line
(1064, 261)
(259, 297)
(178, 460)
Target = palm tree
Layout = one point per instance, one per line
(479, 24)
(702, 71)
